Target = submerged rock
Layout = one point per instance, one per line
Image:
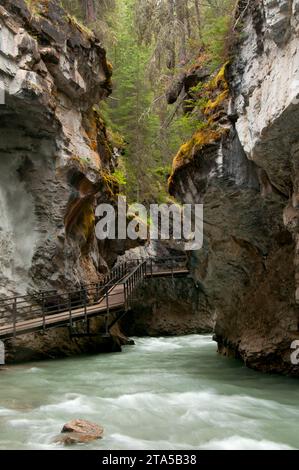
(80, 431)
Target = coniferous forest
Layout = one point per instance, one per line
(151, 45)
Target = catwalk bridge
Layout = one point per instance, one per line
(112, 299)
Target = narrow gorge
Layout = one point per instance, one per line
(56, 159)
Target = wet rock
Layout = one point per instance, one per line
(56, 343)
(80, 431)
(166, 307)
(175, 89)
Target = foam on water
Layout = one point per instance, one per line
(162, 393)
(34, 370)
(72, 405)
(241, 443)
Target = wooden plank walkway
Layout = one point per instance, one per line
(169, 273)
(114, 301)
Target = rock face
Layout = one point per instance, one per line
(166, 307)
(54, 154)
(57, 343)
(80, 431)
(248, 182)
(55, 165)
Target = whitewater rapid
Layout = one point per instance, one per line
(162, 393)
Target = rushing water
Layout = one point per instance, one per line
(167, 393)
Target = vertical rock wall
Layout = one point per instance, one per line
(54, 152)
(248, 182)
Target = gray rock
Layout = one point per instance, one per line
(248, 183)
(50, 163)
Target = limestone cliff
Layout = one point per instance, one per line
(55, 158)
(247, 178)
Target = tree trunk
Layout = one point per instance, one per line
(198, 16)
(181, 15)
(171, 61)
(189, 29)
(89, 10)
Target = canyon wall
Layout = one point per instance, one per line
(168, 307)
(55, 158)
(55, 166)
(244, 168)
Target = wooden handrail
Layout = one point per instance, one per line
(53, 308)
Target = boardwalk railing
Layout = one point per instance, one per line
(43, 303)
(44, 310)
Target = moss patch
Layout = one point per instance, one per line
(213, 96)
(111, 183)
(38, 7)
(190, 149)
(80, 26)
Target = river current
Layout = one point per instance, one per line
(162, 393)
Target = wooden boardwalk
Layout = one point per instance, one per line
(116, 300)
(115, 297)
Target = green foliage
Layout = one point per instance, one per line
(35, 6)
(120, 177)
(149, 42)
(129, 110)
(217, 28)
(79, 25)
(104, 23)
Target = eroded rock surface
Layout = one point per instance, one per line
(166, 307)
(53, 148)
(248, 182)
(55, 167)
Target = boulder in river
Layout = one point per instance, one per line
(80, 431)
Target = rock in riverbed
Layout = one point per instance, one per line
(79, 431)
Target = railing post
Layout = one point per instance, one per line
(70, 309)
(85, 310)
(172, 274)
(151, 267)
(43, 311)
(107, 314)
(14, 317)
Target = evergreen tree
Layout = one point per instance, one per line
(149, 42)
